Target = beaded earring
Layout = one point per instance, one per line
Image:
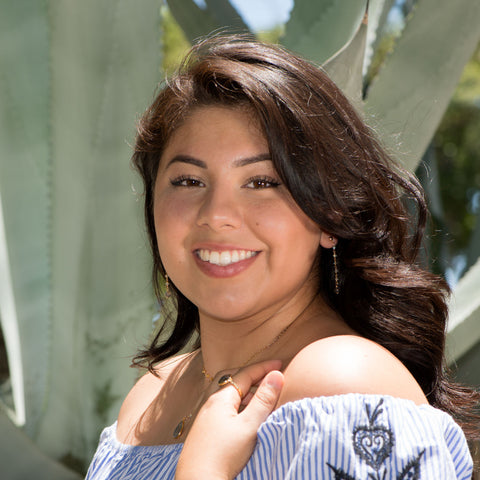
(336, 288)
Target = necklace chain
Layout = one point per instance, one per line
(258, 352)
(180, 428)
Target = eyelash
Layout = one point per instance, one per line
(272, 183)
(190, 182)
(177, 182)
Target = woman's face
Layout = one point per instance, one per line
(229, 234)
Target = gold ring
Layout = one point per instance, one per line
(228, 380)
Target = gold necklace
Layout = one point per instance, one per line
(180, 427)
(249, 359)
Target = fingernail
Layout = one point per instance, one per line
(274, 380)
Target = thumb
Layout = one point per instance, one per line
(265, 398)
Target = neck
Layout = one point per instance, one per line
(230, 344)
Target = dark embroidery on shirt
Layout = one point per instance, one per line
(340, 474)
(412, 470)
(373, 443)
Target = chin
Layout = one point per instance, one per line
(225, 311)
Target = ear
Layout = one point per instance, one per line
(327, 240)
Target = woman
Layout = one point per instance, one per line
(277, 222)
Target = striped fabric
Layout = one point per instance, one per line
(344, 437)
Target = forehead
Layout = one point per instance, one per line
(213, 129)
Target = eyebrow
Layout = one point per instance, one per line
(241, 162)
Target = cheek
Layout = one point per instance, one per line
(290, 230)
(171, 225)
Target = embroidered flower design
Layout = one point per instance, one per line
(373, 442)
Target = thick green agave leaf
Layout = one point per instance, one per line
(226, 15)
(194, 21)
(408, 98)
(197, 22)
(79, 74)
(25, 168)
(317, 30)
(346, 66)
(378, 11)
(105, 60)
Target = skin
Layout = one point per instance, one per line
(234, 435)
(217, 190)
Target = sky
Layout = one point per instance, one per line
(261, 14)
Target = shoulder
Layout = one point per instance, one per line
(148, 387)
(348, 364)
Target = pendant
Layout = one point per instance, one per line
(177, 433)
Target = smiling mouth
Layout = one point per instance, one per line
(224, 258)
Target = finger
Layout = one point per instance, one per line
(244, 379)
(251, 375)
(265, 398)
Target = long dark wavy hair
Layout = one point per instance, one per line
(342, 178)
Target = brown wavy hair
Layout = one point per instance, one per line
(341, 177)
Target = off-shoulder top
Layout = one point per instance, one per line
(344, 437)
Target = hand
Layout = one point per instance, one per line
(221, 439)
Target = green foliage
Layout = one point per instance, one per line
(273, 35)
(468, 89)
(457, 149)
(174, 42)
(384, 48)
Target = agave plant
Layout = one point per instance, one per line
(74, 279)
(74, 271)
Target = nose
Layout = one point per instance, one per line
(219, 211)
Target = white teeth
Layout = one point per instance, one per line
(225, 257)
(214, 258)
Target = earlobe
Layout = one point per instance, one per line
(327, 240)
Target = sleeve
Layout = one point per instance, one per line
(359, 437)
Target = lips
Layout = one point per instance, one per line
(220, 263)
(225, 257)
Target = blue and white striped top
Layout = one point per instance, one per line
(344, 437)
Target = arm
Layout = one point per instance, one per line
(221, 439)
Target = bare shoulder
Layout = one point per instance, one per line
(348, 364)
(147, 388)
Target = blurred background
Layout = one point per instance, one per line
(75, 294)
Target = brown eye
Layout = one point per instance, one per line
(261, 182)
(186, 182)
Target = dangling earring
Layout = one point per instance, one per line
(167, 286)
(335, 267)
